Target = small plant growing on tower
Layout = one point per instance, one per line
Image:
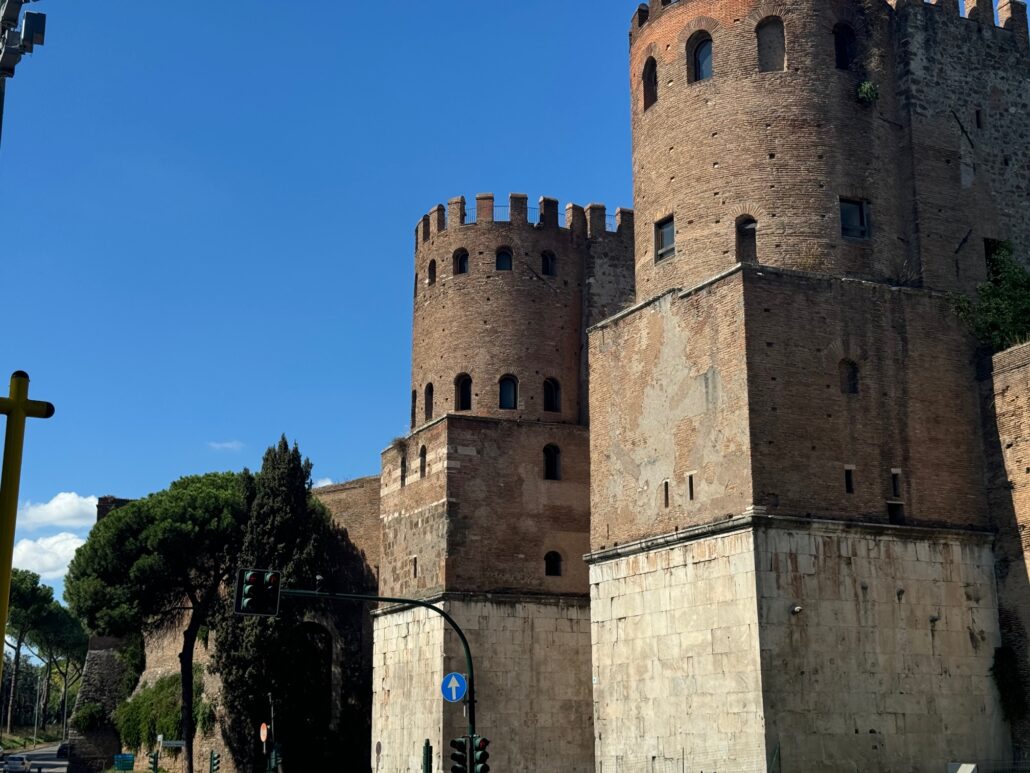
(868, 93)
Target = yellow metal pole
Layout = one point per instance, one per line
(18, 407)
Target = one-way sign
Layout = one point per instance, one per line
(454, 687)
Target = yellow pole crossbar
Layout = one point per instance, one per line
(17, 407)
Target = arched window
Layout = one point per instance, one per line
(429, 401)
(422, 462)
(747, 239)
(414, 401)
(844, 46)
(699, 57)
(650, 80)
(432, 272)
(552, 395)
(772, 47)
(463, 392)
(504, 260)
(552, 462)
(508, 393)
(548, 264)
(848, 377)
(461, 262)
(552, 564)
(404, 470)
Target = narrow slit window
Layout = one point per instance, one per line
(504, 261)
(896, 483)
(552, 462)
(552, 395)
(429, 401)
(432, 272)
(665, 238)
(552, 564)
(508, 393)
(848, 377)
(849, 480)
(690, 487)
(665, 486)
(463, 393)
(414, 402)
(404, 471)
(414, 567)
(422, 462)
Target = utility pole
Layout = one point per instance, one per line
(15, 42)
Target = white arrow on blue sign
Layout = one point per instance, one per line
(454, 687)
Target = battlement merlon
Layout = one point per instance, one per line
(590, 223)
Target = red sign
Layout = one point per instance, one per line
(263, 732)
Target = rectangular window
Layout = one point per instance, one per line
(896, 513)
(690, 487)
(854, 219)
(665, 238)
(849, 480)
(666, 493)
(896, 483)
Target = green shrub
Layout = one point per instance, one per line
(1000, 315)
(88, 716)
(156, 709)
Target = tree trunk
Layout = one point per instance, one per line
(64, 699)
(189, 640)
(45, 701)
(14, 680)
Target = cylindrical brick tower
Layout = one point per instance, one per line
(752, 130)
(498, 300)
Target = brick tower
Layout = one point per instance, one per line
(791, 557)
(485, 504)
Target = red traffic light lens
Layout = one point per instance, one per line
(252, 578)
(271, 579)
(481, 744)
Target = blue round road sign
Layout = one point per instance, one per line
(454, 687)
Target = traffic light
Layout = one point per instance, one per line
(153, 757)
(216, 761)
(460, 755)
(257, 592)
(480, 755)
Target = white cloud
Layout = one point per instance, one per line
(67, 509)
(47, 556)
(228, 445)
(323, 482)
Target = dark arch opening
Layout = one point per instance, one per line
(429, 401)
(747, 239)
(463, 392)
(548, 264)
(848, 377)
(508, 393)
(552, 462)
(432, 272)
(461, 262)
(700, 57)
(422, 462)
(306, 729)
(504, 261)
(844, 46)
(772, 46)
(552, 395)
(552, 564)
(650, 80)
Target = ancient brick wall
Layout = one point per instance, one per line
(532, 663)
(354, 506)
(887, 663)
(669, 405)
(781, 147)
(1006, 401)
(93, 751)
(962, 92)
(914, 412)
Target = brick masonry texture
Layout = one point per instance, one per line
(354, 506)
(532, 661)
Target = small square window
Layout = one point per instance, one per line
(665, 238)
(854, 219)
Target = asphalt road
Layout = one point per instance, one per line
(44, 759)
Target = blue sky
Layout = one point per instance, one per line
(209, 210)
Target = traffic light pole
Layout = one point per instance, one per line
(312, 594)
